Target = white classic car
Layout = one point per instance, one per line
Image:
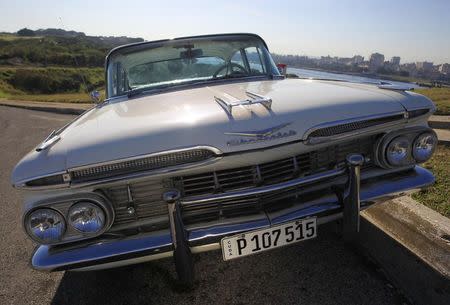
(202, 144)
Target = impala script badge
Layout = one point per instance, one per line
(250, 137)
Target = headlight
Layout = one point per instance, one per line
(398, 151)
(45, 226)
(86, 217)
(423, 147)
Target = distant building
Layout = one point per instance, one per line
(444, 68)
(410, 68)
(376, 61)
(327, 60)
(424, 66)
(357, 59)
(395, 61)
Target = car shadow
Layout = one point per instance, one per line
(116, 286)
(319, 271)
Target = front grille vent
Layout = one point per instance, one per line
(348, 127)
(142, 164)
(273, 172)
(138, 201)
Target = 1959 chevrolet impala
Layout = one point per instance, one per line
(202, 144)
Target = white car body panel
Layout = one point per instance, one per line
(146, 124)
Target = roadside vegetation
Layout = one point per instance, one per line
(53, 65)
(50, 84)
(437, 196)
(440, 97)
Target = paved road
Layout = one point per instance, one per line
(320, 271)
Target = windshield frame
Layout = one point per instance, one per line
(268, 61)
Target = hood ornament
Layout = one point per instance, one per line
(268, 134)
(253, 99)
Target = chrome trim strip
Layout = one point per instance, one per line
(213, 149)
(22, 183)
(127, 262)
(143, 174)
(307, 140)
(264, 189)
(114, 251)
(258, 133)
(389, 86)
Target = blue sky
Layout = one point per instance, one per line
(415, 29)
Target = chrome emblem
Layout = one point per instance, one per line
(268, 134)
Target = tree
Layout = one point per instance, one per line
(26, 32)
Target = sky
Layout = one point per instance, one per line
(415, 30)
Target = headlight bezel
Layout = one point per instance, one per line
(411, 133)
(62, 205)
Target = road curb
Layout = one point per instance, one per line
(45, 107)
(439, 122)
(443, 136)
(412, 244)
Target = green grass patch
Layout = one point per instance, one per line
(50, 84)
(12, 37)
(78, 97)
(400, 78)
(440, 97)
(437, 196)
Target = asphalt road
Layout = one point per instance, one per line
(320, 271)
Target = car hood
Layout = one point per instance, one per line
(192, 117)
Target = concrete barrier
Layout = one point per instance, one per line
(412, 245)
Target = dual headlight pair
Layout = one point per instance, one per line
(47, 225)
(407, 148)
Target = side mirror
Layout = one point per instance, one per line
(96, 96)
(282, 68)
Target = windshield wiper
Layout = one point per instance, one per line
(137, 91)
(232, 76)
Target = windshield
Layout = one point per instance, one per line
(174, 62)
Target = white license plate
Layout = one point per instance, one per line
(261, 240)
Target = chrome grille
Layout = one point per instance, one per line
(138, 201)
(145, 198)
(348, 127)
(275, 171)
(141, 164)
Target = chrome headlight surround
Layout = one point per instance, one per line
(62, 205)
(407, 134)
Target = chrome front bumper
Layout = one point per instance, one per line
(114, 252)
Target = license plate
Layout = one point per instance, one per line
(261, 240)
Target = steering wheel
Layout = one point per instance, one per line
(231, 64)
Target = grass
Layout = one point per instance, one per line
(440, 97)
(77, 97)
(91, 76)
(437, 197)
(400, 78)
(12, 37)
